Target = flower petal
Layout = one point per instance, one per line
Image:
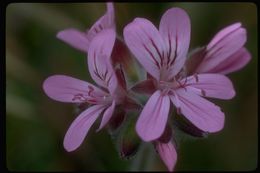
(80, 127)
(68, 89)
(74, 38)
(152, 120)
(210, 85)
(222, 33)
(99, 61)
(175, 29)
(107, 115)
(202, 113)
(234, 62)
(224, 44)
(145, 42)
(167, 153)
(107, 21)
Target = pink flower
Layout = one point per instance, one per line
(67, 89)
(224, 54)
(81, 40)
(163, 54)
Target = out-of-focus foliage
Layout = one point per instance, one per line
(36, 125)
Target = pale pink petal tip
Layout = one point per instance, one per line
(222, 33)
(74, 38)
(168, 154)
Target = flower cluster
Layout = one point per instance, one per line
(170, 95)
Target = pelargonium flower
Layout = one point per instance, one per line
(163, 54)
(81, 40)
(224, 53)
(103, 98)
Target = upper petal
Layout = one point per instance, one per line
(68, 89)
(222, 33)
(224, 44)
(74, 38)
(210, 85)
(167, 153)
(152, 120)
(175, 29)
(234, 62)
(146, 43)
(202, 113)
(99, 60)
(107, 21)
(80, 127)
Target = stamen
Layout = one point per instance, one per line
(196, 77)
(79, 97)
(95, 29)
(91, 89)
(203, 93)
(100, 26)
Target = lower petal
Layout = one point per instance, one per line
(202, 113)
(152, 121)
(80, 127)
(107, 115)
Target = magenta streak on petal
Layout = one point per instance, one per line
(211, 85)
(170, 50)
(157, 50)
(152, 56)
(101, 76)
(175, 51)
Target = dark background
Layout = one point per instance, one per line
(36, 125)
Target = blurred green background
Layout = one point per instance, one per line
(36, 125)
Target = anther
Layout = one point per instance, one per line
(203, 92)
(91, 89)
(196, 77)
